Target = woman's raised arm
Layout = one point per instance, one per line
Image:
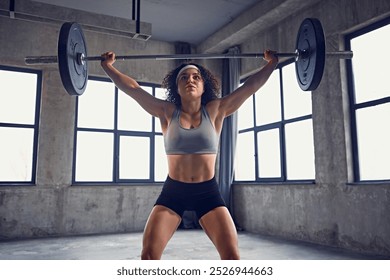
(232, 102)
(128, 85)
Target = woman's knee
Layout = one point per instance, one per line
(228, 249)
(149, 253)
(231, 254)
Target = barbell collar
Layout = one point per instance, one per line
(340, 54)
(303, 54)
(32, 60)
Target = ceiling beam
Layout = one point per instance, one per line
(258, 18)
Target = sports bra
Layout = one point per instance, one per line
(200, 140)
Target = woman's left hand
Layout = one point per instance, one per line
(270, 55)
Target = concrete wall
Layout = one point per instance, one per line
(54, 207)
(333, 211)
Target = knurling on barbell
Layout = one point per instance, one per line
(72, 56)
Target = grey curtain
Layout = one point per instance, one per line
(230, 81)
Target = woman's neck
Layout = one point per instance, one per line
(191, 107)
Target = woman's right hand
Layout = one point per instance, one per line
(108, 58)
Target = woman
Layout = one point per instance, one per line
(191, 121)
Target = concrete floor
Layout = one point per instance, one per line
(185, 245)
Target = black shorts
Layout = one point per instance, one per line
(199, 197)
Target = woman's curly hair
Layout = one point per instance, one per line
(211, 85)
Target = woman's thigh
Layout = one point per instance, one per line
(220, 228)
(160, 227)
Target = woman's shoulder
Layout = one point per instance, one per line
(170, 109)
(212, 107)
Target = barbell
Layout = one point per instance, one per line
(73, 61)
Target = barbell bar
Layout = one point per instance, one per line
(33, 60)
(73, 61)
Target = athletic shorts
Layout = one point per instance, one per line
(199, 197)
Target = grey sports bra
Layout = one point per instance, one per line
(200, 140)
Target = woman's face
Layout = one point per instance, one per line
(190, 84)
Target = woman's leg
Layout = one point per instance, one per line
(159, 229)
(220, 228)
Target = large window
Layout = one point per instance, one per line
(369, 91)
(19, 112)
(116, 140)
(275, 140)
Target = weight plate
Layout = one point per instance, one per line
(73, 72)
(310, 43)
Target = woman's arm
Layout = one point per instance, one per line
(128, 85)
(232, 102)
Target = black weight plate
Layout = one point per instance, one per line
(74, 74)
(310, 65)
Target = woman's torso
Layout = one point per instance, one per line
(191, 167)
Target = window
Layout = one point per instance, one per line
(369, 92)
(116, 140)
(275, 138)
(19, 112)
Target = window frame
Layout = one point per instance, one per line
(117, 134)
(280, 125)
(34, 126)
(353, 106)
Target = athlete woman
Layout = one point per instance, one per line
(191, 120)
